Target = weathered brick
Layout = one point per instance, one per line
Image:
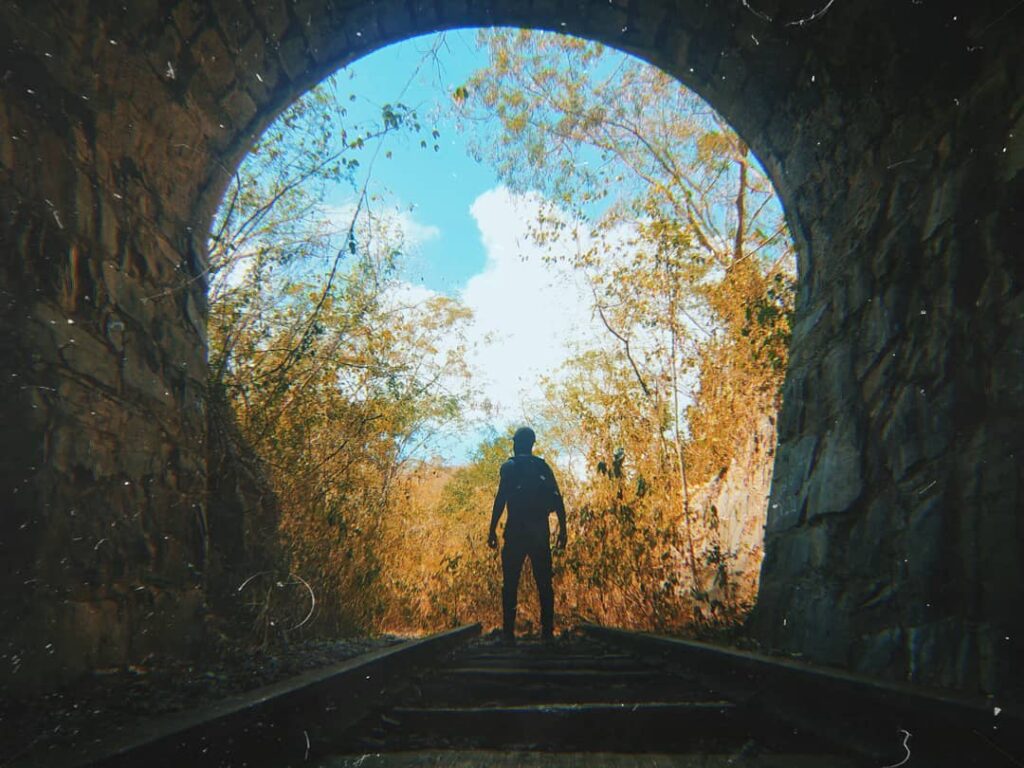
(216, 62)
(273, 17)
(240, 108)
(897, 190)
(188, 16)
(293, 56)
(234, 22)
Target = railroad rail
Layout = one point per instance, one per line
(597, 697)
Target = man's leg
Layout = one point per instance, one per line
(512, 557)
(540, 560)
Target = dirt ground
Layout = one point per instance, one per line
(113, 702)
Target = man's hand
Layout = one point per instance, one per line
(492, 540)
(560, 541)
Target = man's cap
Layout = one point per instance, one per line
(524, 436)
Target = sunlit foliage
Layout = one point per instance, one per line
(335, 371)
(684, 246)
(336, 375)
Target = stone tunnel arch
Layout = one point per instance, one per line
(891, 131)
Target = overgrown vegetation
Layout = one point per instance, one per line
(336, 375)
(686, 253)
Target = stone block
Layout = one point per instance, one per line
(929, 354)
(941, 654)
(1005, 387)
(878, 595)
(88, 634)
(671, 46)
(878, 328)
(791, 414)
(239, 108)
(703, 54)
(7, 141)
(839, 387)
(880, 654)
(292, 54)
(821, 540)
(860, 289)
(92, 359)
(793, 462)
(123, 292)
(918, 427)
(188, 15)
(788, 556)
(823, 626)
(143, 377)
(325, 36)
(758, 99)
(273, 17)
(258, 73)
(877, 384)
(174, 624)
(807, 320)
(214, 59)
(196, 317)
(57, 184)
(395, 23)
(836, 481)
(942, 206)
(927, 560)
(80, 447)
(234, 22)
(164, 54)
(639, 36)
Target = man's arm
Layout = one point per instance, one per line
(560, 512)
(496, 510)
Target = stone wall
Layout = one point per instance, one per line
(894, 541)
(103, 457)
(243, 517)
(737, 499)
(890, 129)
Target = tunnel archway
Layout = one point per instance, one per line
(487, 232)
(892, 136)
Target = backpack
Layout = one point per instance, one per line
(531, 489)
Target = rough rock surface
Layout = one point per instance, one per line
(114, 702)
(738, 499)
(893, 132)
(243, 515)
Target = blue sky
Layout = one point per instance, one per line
(441, 186)
(467, 234)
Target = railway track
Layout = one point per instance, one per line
(600, 697)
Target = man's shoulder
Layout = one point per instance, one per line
(541, 463)
(516, 465)
(525, 460)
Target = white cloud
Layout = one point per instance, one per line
(390, 222)
(416, 233)
(405, 294)
(528, 315)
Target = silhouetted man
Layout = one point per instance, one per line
(527, 485)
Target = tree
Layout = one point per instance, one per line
(337, 371)
(445, 573)
(686, 253)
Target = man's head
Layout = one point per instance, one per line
(523, 440)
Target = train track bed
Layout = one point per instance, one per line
(577, 701)
(110, 704)
(598, 697)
